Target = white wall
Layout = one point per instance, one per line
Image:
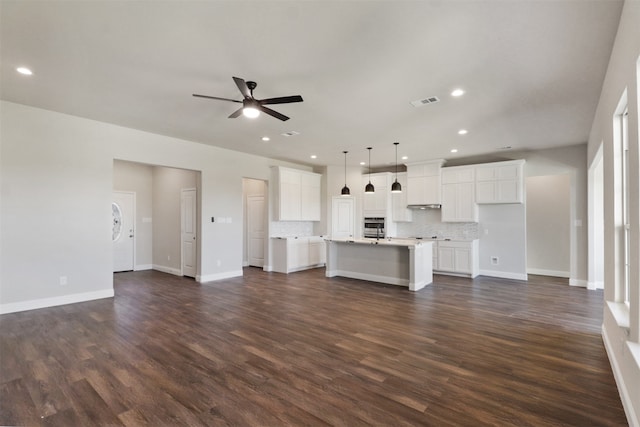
(548, 225)
(56, 173)
(622, 341)
(503, 235)
(138, 178)
(56, 191)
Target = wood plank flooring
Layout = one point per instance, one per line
(271, 349)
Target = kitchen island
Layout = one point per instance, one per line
(392, 261)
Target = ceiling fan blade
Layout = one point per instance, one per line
(216, 97)
(281, 100)
(272, 113)
(242, 85)
(236, 113)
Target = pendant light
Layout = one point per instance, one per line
(369, 188)
(345, 189)
(396, 187)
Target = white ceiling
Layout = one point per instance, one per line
(532, 71)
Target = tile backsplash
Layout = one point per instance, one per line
(291, 228)
(426, 223)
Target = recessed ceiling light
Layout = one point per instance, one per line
(266, 138)
(24, 70)
(457, 92)
(362, 163)
(454, 150)
(405, 157)
(313, 156)
(463, 132)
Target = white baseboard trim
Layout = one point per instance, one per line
(245, 263)
(595, 285)
(627, 403)
(170, 270)
(219, 276)
(554, 273)
(504, 274)
(578, 282)
(55, 301)
(267, 268)
(142, 267)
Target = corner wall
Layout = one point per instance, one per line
(621, 326)
(56, 178)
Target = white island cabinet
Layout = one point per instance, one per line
(392, 261)
(298, 253)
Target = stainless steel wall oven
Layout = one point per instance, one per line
(374, 227)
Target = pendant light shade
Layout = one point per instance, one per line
(345, 189)
(396, 187)
(369, 188)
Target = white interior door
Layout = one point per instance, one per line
(188, 232)
(255, 230)
(342, 217)
(123, 231)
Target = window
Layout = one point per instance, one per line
(622, 217)
(626, 217)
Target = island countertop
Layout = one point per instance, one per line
(393, 241)
(403, 262)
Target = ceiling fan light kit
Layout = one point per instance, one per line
(252, 107)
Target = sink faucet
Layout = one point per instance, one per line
(377, 233)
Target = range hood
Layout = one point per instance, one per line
(426, 206)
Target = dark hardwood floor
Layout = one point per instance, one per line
(271, 349)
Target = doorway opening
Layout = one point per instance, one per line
(549, 225)
(167, 204)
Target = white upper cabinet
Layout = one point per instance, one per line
(458, 195)
(423, 183)
(378, 203)
(501, 182)
(310, 197)
(298, 195)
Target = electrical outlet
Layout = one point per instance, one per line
(218, 263)
(168, 257)
(63, 281)
(495, 260)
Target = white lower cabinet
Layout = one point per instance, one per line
(298, 253)
(457, 257)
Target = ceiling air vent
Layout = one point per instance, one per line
(425, 101)
(291, 133)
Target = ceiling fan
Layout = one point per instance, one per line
(251, 107)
